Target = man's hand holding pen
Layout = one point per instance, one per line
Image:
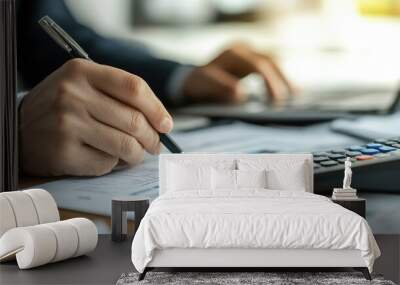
(86, 117)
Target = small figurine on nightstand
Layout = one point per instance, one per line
(346, 192)
(347, 174)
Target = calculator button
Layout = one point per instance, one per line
(387, 149)
(355, 148)
(320, 158)
(316, 166)
(380, 140)
(336, 156)
(369, 151)
(353, 153)
(364, 157)
(317, 154)
(341, 160)
(338, 151)
(397, 145)
(391, 143)
(396, 152)
(329, 163)
(374, 145)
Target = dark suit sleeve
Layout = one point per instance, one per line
(38, 55)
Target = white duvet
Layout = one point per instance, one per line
(250, 219)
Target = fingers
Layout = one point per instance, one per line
(275, 86)
(80, 159)
(131, 90)
(292, 89)
(113, 142)
(126, 119)
(247, 63)
(241, 61)
(92, 162)
(222, 86)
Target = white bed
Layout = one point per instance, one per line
(197, 224)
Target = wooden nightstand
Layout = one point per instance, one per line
(120, 206)
(358, 205)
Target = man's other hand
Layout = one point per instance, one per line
(218, 81)
(85, 118)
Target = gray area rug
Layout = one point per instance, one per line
(232, 278)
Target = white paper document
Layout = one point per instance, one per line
(370, 127)
(93, 195)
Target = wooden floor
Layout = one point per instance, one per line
(106, 264)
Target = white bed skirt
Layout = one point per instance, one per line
(193, 257)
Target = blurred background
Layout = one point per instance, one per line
(317, 42)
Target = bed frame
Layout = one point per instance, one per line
(242, 259)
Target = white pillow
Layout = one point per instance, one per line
(223, 179)
(186, 174)
(183, 178)
(251, 178)
(282, 174)
(296, 181)
(230, 180)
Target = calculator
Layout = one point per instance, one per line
(375, 166)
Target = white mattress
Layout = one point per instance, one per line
(258, 219)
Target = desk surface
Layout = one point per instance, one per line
(106, 264)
